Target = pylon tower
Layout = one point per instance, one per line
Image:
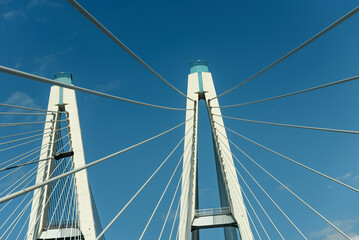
(64, 209)
(232, 215)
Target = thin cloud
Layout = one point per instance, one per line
(8, 181)
(21, 99)
(109, 86)
(18, 64)
(49, 3)
(24, 100)
(13, 14)
(5, 2)
(46, 63)
(349, 226)
(204, 190)
(350, 177)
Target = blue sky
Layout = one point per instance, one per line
(237, 38)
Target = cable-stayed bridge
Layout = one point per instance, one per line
(45, 190)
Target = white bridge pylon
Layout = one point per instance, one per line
(232, 214)
(82, 221)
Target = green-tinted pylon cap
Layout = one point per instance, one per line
(198, 66)
(64, 77)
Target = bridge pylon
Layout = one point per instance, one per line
(232, 215)
(64, 209)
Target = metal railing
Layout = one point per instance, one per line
(64, 224)
(212, 211)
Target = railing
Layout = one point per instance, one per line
(212, 211)
(64, 224)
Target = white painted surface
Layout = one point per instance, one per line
(37, 220)
(213, 221)
(84, 204)
(60, 233)
(82, 188)
(237, 206)
(189, 179)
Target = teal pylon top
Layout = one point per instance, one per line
(198, 66)
(64, 77)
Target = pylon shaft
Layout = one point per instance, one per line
(201, 86)
(81, 211)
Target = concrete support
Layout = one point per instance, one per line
(201, 86)
(65, 100)
(189, 175)
(38, 214)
